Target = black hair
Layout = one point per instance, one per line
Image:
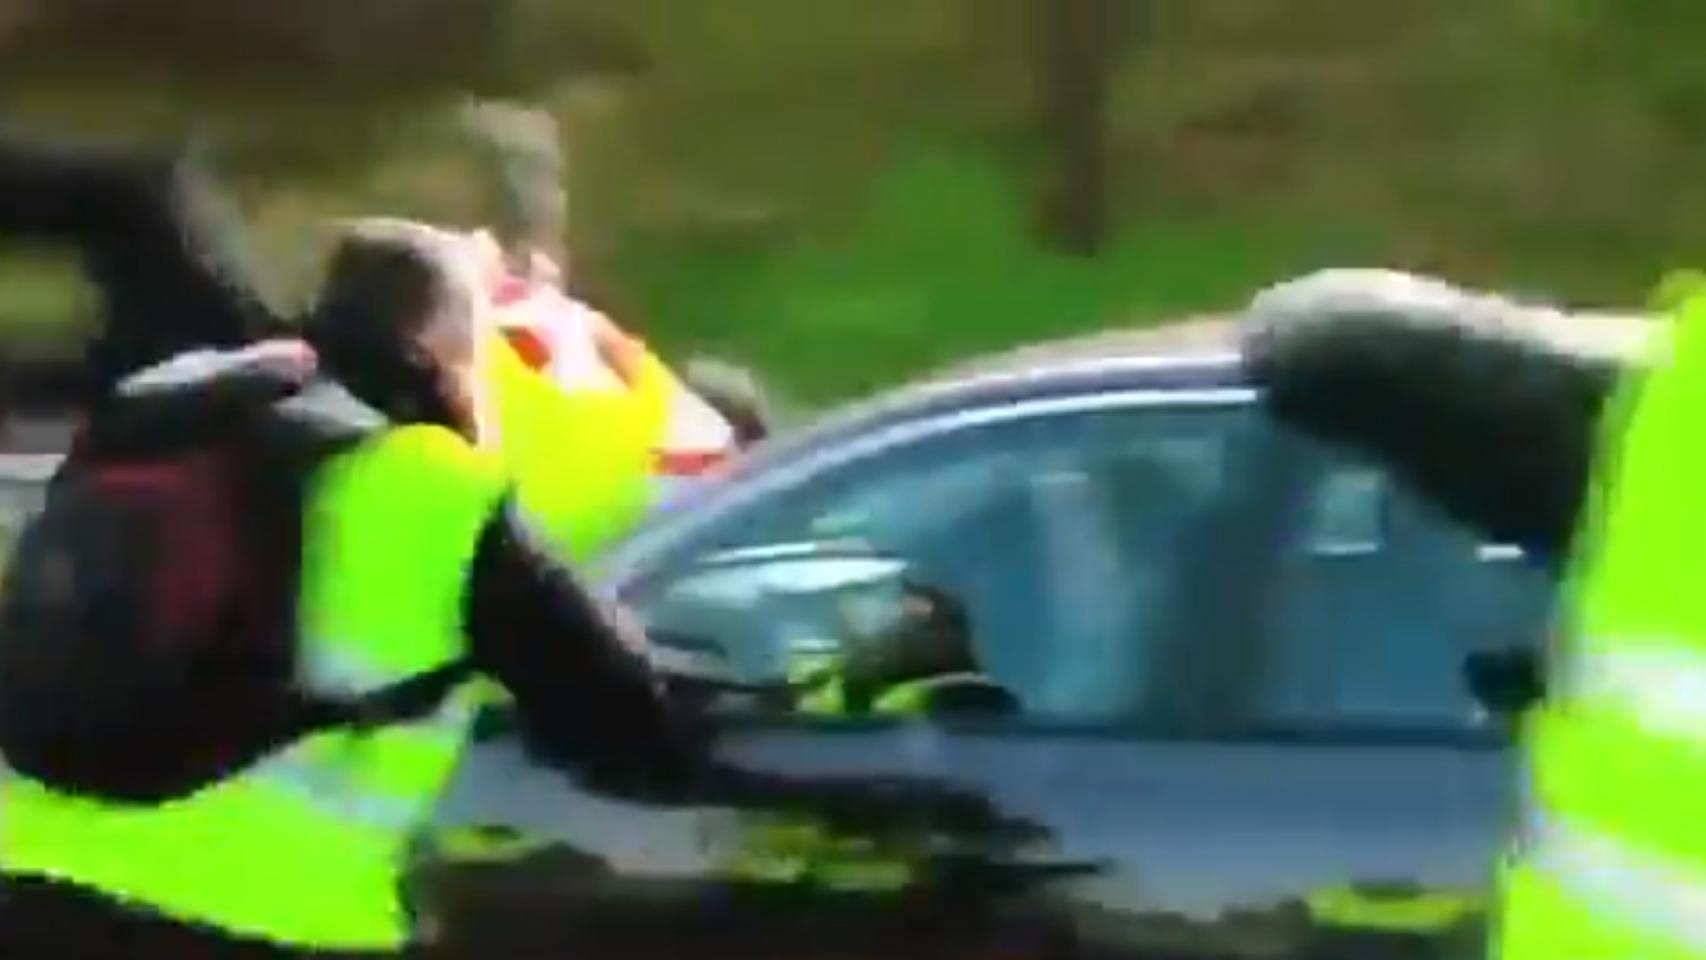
(381, 290)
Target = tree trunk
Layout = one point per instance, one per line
(1074, 72)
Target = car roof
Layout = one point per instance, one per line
(1207, 337)
(1194, 353)
(1198, 354)
(1194, 357)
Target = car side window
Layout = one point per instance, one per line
(1348, 512)
(1146, 488)
(928, 545)
(1375, 608)
(983, 547)
(1152, 569)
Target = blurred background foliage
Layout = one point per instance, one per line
(845, 194)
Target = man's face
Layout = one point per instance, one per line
(451, 337)
(451, 334)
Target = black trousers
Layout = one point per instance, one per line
(43, 920)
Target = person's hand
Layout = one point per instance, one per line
(545, 270)
(292, 360)
(630, 631)
(622, 353)
(205, 394)
(264, 366)
(487, 257)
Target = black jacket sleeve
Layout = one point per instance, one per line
(586, 701)
(591, 706)
(153, 241)
(1495, 421)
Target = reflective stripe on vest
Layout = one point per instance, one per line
(1626, 888)
(306, 847)
(373, 780)
(1660, 684)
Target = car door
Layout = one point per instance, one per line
(972, 504)
(1225, 745)
(1377, 786)
(1003, 510)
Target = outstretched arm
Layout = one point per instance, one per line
(152, 241)
(586, 697)
(1489, 407)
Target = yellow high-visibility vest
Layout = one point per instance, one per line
(581, 460)
(306, 847)
(1611, 858)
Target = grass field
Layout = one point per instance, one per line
(846, 194)
(940, 265)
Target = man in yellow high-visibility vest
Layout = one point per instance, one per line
(617, 395)
(411, 562)
(1610, 858)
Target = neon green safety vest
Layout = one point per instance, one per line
(306, 848)
(581, 460)
(1611, 858)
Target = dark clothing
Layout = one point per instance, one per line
(585, 700)
(170, 283)
(150, 234)
(1497, 426)
(40, 920)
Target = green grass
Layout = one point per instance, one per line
(40, 294)
(842, 195)
(941, 264)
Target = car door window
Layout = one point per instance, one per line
(1375, 605)
(1311, 591)
(1348, 512)
(1148, 485)
(1004, 523)
(778, 586)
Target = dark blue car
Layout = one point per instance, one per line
(1239, 722)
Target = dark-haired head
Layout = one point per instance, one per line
(395, 322)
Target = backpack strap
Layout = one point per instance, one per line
(408, 699)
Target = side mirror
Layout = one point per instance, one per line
(824, 628)
(750, 616)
